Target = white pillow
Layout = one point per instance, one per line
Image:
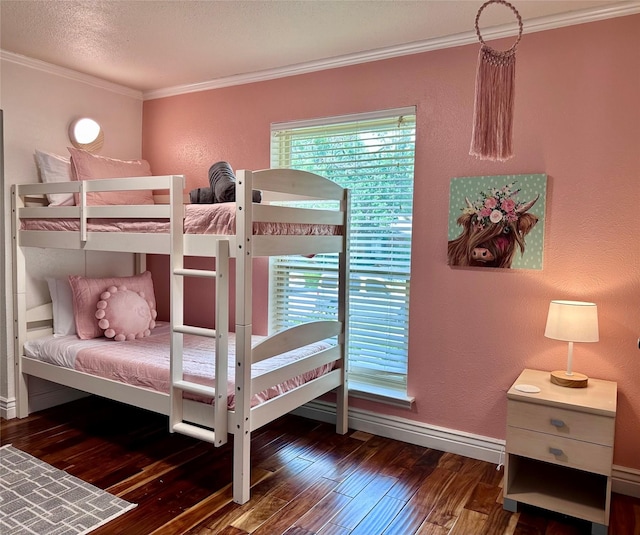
(55, 168)
(62, 302)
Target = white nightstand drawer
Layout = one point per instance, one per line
(561, 422)
(559, 450)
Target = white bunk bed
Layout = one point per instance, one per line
(211, 422)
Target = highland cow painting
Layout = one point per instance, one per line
(497, 221)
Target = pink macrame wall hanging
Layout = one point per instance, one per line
(495, 95)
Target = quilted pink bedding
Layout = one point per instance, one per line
(199, 219)
(145, 362)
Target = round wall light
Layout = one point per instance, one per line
(85, 133)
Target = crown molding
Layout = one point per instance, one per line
(70, 74)
(620, 9)
(534, 25)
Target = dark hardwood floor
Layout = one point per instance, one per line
(305, 480)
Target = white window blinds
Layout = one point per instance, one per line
(373, 156)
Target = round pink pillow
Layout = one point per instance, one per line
(124, 314)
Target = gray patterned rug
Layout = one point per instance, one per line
(36, 498)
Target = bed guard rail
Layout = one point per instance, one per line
(29, 202)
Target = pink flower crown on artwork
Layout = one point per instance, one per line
(495, 206)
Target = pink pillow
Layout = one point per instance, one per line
(86, 294)
(124, 314)
(88, 166)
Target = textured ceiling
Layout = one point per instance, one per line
(151, 44)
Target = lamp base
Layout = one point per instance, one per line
(576, 380)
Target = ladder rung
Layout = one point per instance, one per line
(195, 432)
(198, 331)
(195, 388)
(195, 273)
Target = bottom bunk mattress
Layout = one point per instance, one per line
(145, 362)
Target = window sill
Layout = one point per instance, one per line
(380, 394)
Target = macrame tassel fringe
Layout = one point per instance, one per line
(494, 103)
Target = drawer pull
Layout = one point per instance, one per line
(557, 423)
(556, 451)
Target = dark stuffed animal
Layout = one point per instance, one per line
(222, 187)
(201, 196)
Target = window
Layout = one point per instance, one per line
(373, 156)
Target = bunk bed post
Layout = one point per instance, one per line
(176, 300)
(244, 281)
(220, 425)
(19, 307)
(342, 393)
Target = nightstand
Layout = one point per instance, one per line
(559, 448)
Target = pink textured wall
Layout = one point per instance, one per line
(472, 331)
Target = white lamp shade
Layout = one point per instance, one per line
(572, 321)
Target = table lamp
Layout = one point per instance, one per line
(571, 321)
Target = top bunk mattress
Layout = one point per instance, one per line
(218, 219)
(144, 362)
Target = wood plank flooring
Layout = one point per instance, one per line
(305, 480)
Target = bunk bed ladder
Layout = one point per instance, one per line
(180, 386)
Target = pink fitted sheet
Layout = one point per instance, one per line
(145, 363)
(217, 219)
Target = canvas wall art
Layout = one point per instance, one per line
(497, 221)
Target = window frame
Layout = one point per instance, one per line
(373, 390)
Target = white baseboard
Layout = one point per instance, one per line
(8, 409)
(429, 436)
(624, 480)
